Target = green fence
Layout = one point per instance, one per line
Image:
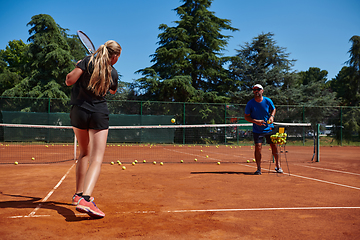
(339, 121)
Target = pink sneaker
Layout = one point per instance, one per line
(90, 208)
(76, 198)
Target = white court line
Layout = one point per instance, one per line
(32, 214)
(294, 175)
(327, 169)
(318, 180)
(239, 210)
(323, 181)
(260, 209)
(36, 216)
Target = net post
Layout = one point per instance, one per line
(317, 142)
(75, 143)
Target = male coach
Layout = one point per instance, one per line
(261, 112)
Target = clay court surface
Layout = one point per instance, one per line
(190, 200)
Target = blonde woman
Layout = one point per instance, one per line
(92, 78)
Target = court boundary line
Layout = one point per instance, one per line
(213, 210)
(327, 169)
(258, 209)
(294, 175)
(32, 214)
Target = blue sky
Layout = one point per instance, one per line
(315, 32)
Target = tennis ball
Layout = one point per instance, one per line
(173, 120)
(218, 163)
(133, 163)
(207, 156)
(254, 160)
(268, 121)
(119, 162)
(136, 161)
(181, 161)
(33, 158)
(195, 159)
(248, 161)
(154, 162)
(112, 163)
(123, 167)
(144, 161)
(161, 163)
(16, 163)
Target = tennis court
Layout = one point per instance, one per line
(190, 200)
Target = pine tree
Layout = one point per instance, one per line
(188, 64)
(49, 61)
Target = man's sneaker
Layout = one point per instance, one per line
(76, 198)
(258, 172)
(279, 170)
(89, 208)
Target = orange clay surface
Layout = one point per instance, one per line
(189, 200)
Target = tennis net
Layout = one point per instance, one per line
(31, 144)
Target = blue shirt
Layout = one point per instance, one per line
(260, 111)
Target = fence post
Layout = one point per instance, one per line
(341, 126)
(49, 102)
(317, 142)
(225, 127)
(184, 122)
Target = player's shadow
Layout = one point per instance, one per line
(225, 172)
(34, 202)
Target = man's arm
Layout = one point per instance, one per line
(257, 122)
(272, 115)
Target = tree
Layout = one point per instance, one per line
(50, 60)
(261, 62)
(188, 64)
(14, 56)
(347, 87)
(77, 50)
(12, 62)
(347, 83)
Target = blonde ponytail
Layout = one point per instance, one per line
(101, 60)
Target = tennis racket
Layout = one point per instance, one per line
(85, 40)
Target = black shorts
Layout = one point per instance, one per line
(259, 137)
(84, 119)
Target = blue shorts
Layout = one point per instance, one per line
(84, 119)
(259, 137)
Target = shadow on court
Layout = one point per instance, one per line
(34, 202)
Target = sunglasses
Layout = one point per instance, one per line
(256, 89)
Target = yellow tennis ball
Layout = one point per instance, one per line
(173, 120)
(218, 163)
(16, 163)
(33, 158)
(161, 163)
(181, 161)
(248, 161)
(112, 163)
(123, 168)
